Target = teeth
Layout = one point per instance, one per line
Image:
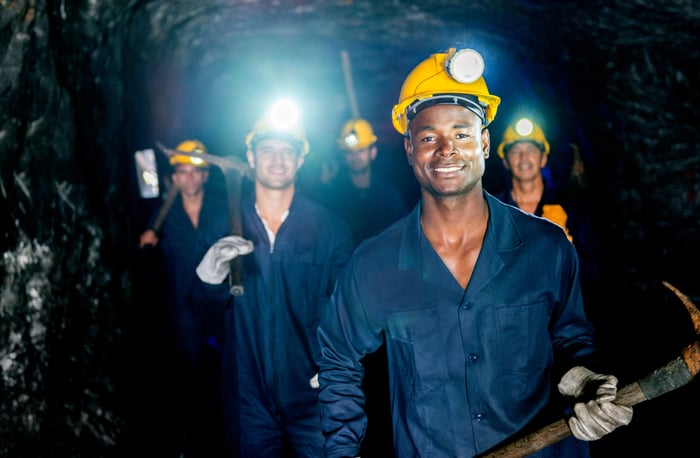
(447, 169)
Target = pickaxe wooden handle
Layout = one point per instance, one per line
(677, 373)
(165, 208)
(233, 170)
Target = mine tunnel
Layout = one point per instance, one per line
(85, 85)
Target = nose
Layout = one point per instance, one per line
(446, 147)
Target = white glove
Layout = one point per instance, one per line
(314, 382)
(595, 418)
(214, 266)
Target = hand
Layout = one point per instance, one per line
(595, 418)
(148, 238)
(214, 267)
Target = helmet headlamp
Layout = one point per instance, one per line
(524, 127)
(281, 121)
(356, 133)
(351, 140)
(189, 146)
(466, 66)
(523, 130)
(284, 115)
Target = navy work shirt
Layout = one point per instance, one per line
(271, 344)
(468, 368)
(183, 246)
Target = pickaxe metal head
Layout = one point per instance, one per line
(689, 305)
(691, 353)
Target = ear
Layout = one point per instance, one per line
(486, 142)
(543, 160)
(373, 152)
(408, 146)
(300, 161)
(205, 175)
(251, 158)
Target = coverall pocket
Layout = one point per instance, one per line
(416, 336)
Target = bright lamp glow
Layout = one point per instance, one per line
(351, 140)
(284, 114)
(524, 127)
(466, 66)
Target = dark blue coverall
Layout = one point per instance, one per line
(367, 211)
(194, 335)
(467, 368)
(271, 345)
(183, 247)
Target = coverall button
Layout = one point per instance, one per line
(478, 417)
(472, 357)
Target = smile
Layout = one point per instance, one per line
(448, 169)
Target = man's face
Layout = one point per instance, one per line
(189, 179)
(359, 160)
(275, 162)
(447, 149)
(525, 161)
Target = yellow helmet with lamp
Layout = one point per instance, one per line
(282, 121)
(453, 77)
(357, 133)
(524, 130)
(189, 146)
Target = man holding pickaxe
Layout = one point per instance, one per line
(478, 303)
(191, 218)
(291, 250)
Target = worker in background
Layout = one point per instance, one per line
(524, 151)
(196, 219)
(293, 250)
(368, 202)
(478, 302)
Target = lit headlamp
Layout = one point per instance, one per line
(351, 140)
(284, 115)
(465, 66)
(524, 127)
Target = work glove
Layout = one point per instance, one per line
(314, 382)
(599, 416)
(214, 266)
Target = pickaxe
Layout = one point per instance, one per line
(233, 170)
(677, 373)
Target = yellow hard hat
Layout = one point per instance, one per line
(282, 121)
(190, 146)
(453, 77)
(357, 133)
(524, 130)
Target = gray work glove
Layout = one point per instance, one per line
(214, 266)
(597, 417)
(313, 382)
